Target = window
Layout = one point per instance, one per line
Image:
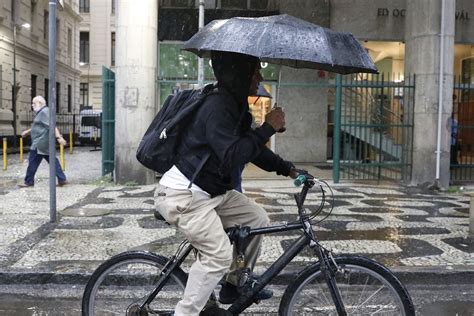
(91, 121)
(112, 52)
(84, 47)
(32, 13)
(33, 86)
(234, 4)
(113, 7)
(84, 6)
(84, 95)
(45, 24)
(259, 5)
(58, 34)
(46, 90)
(58, 94)
(177, 3)
(69, 43)
(13, 11)
(69, 98)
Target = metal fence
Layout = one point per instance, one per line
(373, 127)
(462, 132)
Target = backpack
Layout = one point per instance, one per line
(158, 148)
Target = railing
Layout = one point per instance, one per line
(376, 126)
(462, 136)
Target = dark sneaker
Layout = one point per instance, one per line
(229, 293)
(25, 185)
(61, 184)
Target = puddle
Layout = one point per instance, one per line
(85, 212)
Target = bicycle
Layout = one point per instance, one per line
(143, 283)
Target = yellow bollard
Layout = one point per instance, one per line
(70, 140)
(4, 153)
(61, 156)
(21, 149)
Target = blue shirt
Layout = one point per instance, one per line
(454, 131)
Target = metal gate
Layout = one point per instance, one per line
(373, 127)
(108, 120)
(462, 130)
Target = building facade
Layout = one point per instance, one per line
(30, 50)
(97, 48)
(430, 39)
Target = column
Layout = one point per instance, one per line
(422, 58)
(306, 108)
(136, 61)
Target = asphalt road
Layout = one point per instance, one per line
(430, 300)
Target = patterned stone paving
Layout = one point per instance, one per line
(390, 224)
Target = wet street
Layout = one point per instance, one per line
(430, 300)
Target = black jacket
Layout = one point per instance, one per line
(222, 127)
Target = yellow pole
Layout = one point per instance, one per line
(4, 153)
(70, 140)
(61, 156)
(21, 149)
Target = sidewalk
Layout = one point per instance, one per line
(413, 233)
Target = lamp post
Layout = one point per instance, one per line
(14, 87)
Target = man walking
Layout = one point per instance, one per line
(40, 143)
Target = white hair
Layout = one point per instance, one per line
(40, 100)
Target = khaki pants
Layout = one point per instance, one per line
(202, 220)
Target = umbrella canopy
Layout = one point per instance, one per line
(285, 40)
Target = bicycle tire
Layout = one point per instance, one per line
(124, 279)
(366, 286)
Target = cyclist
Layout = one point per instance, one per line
(221, 128)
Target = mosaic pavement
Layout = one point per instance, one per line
(393, 225)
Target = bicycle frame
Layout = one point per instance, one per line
(249, 290)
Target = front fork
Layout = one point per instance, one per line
(329, 268)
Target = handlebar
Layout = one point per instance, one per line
(303, 178)
(299, 180)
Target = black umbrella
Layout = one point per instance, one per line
(285, 40)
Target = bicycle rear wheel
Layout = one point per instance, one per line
(366, 288)
(120, 284)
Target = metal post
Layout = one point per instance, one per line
(4, 153)
(21, 149)
(337, 131)
(14, 85)
(201, 60)
(380, 126)
(52, 109)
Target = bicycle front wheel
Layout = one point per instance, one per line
(121, 284)
(366, 288)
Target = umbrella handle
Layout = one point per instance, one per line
(283, 129)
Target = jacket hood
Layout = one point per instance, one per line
(234, 72)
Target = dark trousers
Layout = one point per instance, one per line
(454, 155)
(34, 160)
